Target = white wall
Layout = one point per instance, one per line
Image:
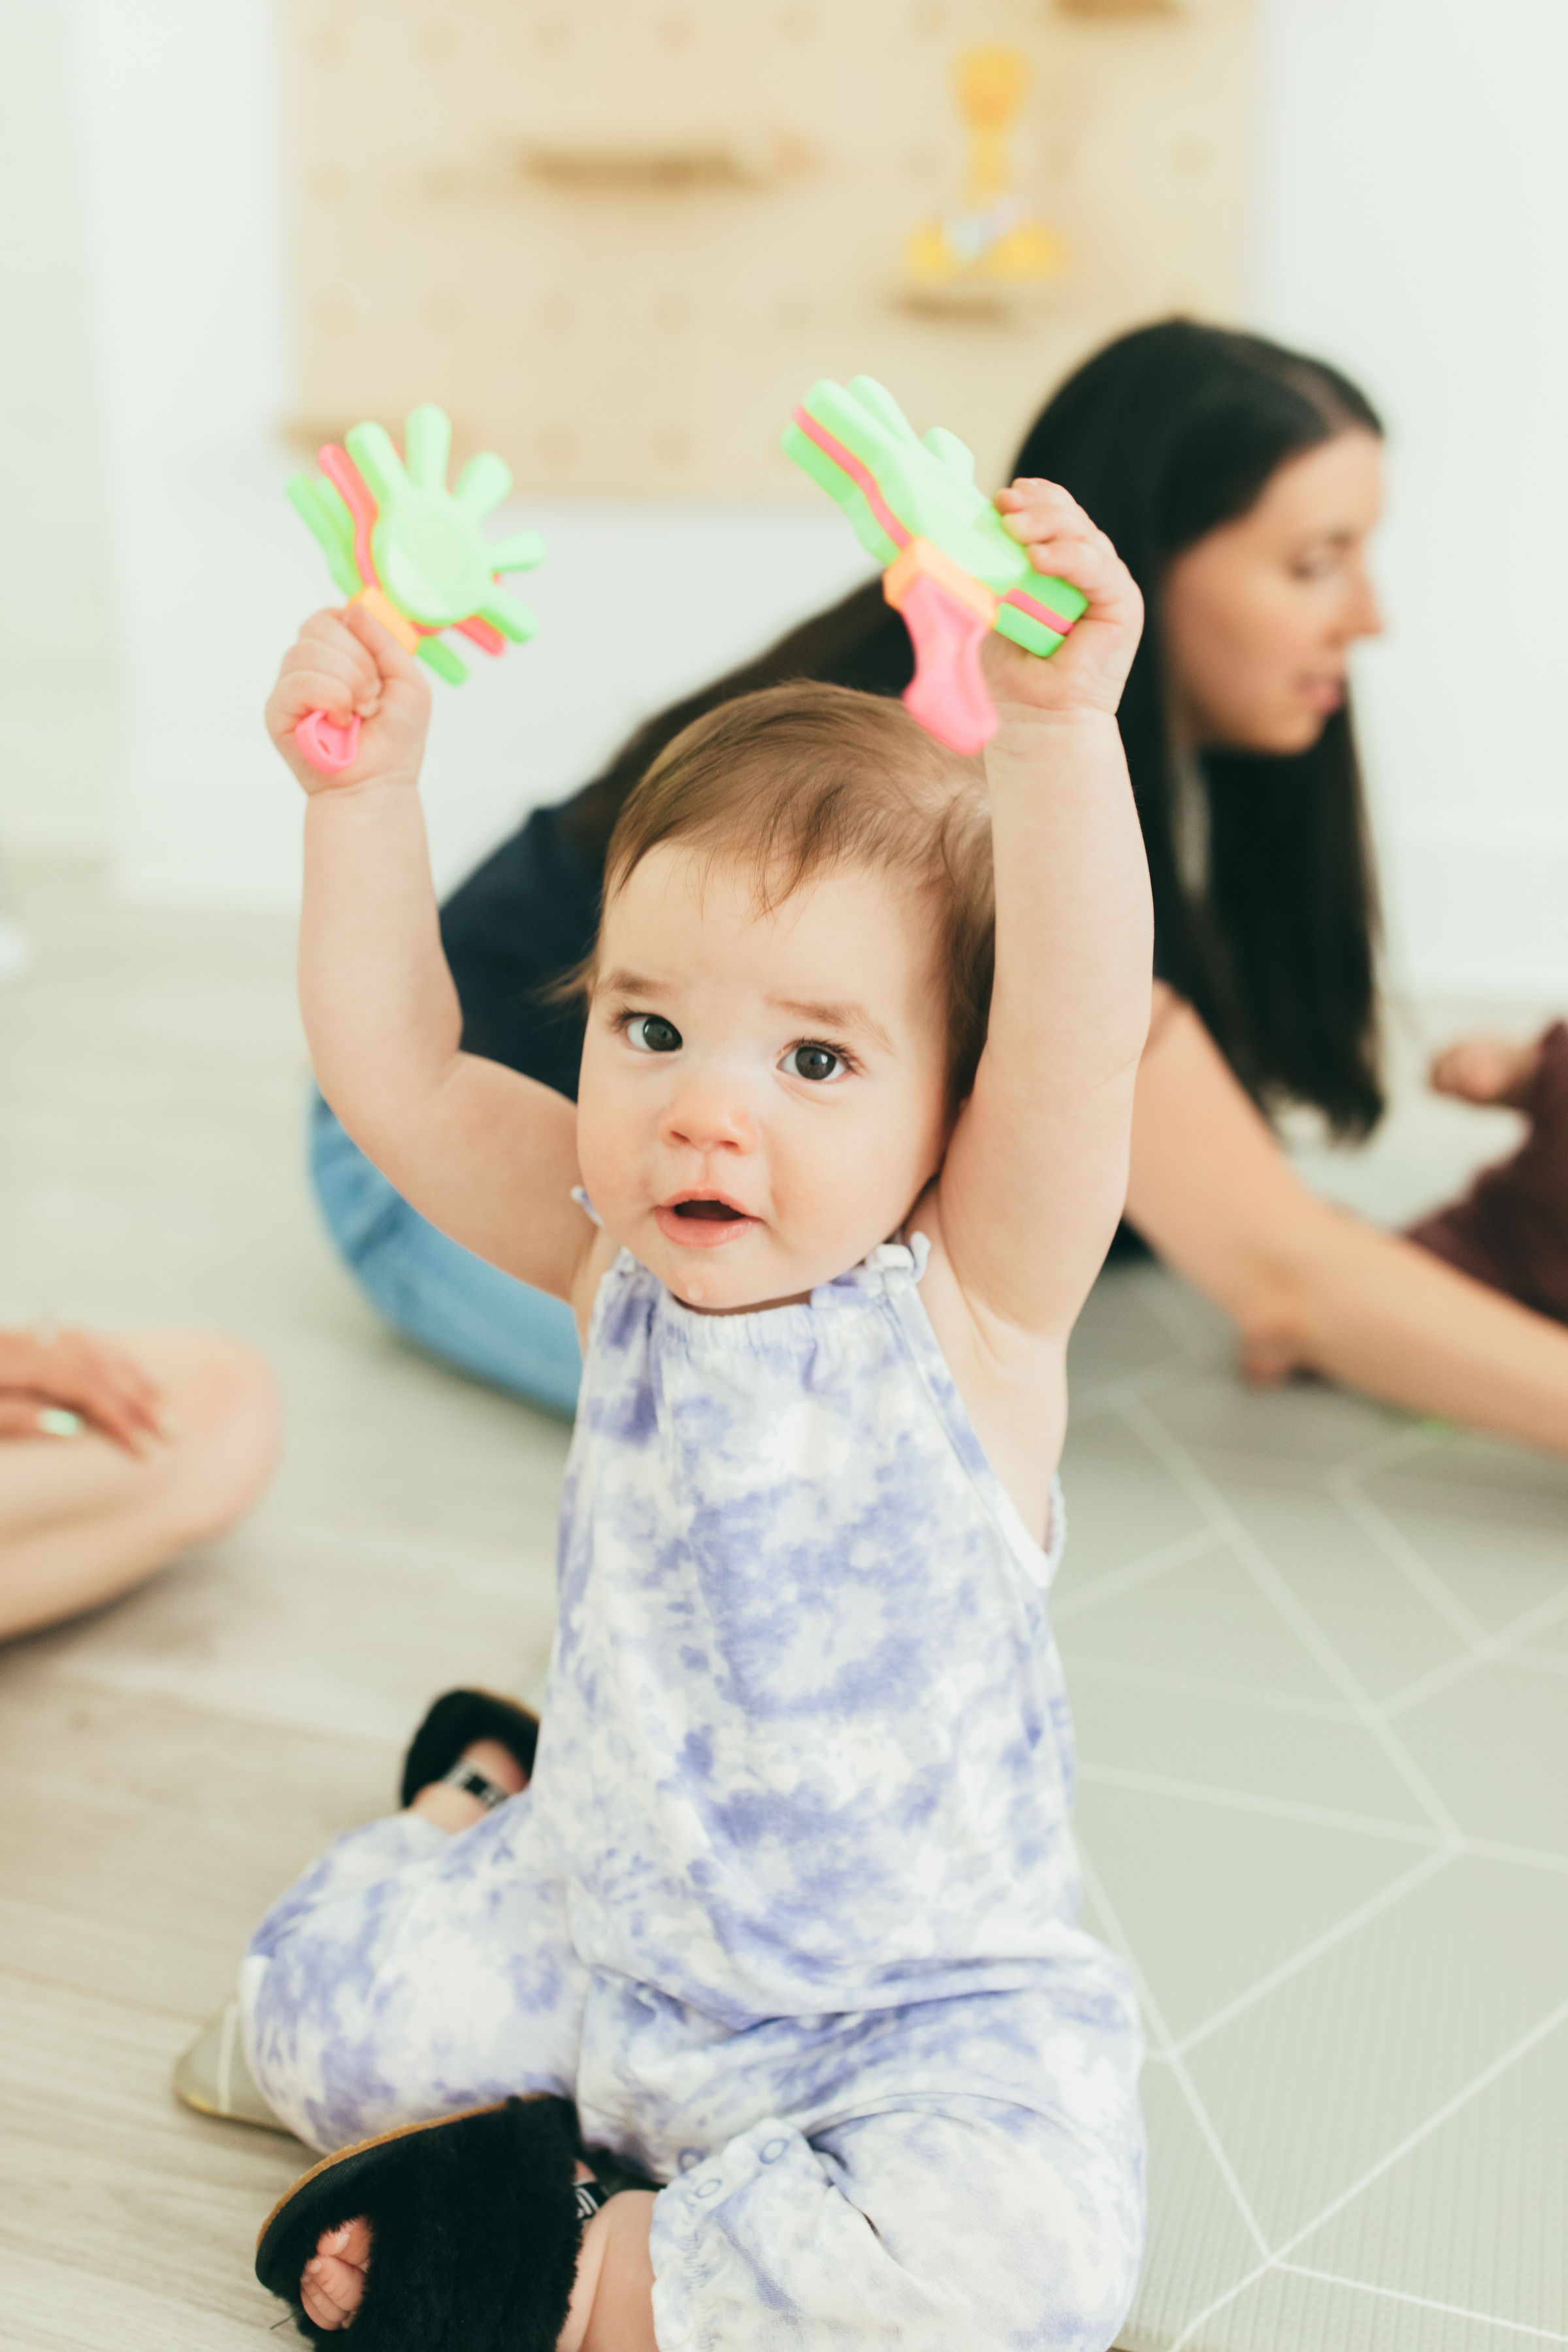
(57, 674)
(178, 146)
(1412, 178)
(1411, 203)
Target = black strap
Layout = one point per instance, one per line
(590, 2197)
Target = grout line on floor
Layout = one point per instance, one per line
(1373, 1908)
(1142, 1570)
(1261, 1699)
(1199, 2113)
(1256, 1560)
(1523, 1857)
(1540, 2032)
(1496, 1649)
(1402, 1554)
(1423, 2302)
(1284, 1809)
(1212, 2310)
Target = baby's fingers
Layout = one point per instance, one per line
(386, 655)
(329, 659)
(1090, 564)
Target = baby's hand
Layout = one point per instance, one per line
(346, 664)
(1089, 670)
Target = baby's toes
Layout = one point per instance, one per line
(349, 2242)
(316, 2304)
(331, 2290)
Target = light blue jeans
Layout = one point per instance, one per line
(434, 1293)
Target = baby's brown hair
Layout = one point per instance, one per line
(803, 777)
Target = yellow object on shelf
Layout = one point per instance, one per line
(990, 239)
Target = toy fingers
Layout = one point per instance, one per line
(952, 568)
(413, 552)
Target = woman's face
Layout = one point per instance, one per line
(1259, 617)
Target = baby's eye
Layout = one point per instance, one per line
(653, 1033)
(818, 1062)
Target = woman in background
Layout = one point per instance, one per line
(1239, 482)
(113, 1457)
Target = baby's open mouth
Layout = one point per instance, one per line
(716, 1213)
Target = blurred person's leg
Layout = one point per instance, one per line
(1510, 1230)
(434, 1293)
(82, 1520)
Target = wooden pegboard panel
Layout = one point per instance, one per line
(617, 238)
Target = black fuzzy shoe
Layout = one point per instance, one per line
(457, 1718)
(475, 2224)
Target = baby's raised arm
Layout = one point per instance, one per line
(487, 1155)
(1035, 1175)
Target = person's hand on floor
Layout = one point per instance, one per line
(56, 1384)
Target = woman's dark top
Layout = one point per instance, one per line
(523, 919)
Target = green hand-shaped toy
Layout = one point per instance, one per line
(954, 570)
(398, 542)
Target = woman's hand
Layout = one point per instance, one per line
(51, 1380)
(346, 664)
(1089, 671)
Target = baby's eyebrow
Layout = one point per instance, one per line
(629, 983)
(835, 1016)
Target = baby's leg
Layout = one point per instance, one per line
(971, 2223)
(411, 1973)
(961, 2171)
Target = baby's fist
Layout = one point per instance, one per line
(1089, 670)
(348, 665)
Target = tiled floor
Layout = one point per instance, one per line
(1318, 1658)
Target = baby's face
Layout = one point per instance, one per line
(763, 1097)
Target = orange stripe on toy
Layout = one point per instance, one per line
(386, 613)
(922, 561)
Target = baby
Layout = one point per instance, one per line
(785, 1920)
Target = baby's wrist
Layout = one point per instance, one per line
(389, 784)
(1025, 730)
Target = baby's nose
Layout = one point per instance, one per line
(705, 1115)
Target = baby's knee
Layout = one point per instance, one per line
(222, 1402)
(1041, 2226)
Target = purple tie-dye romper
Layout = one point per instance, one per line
(789, 1907)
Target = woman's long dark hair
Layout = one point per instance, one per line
(1163, 436)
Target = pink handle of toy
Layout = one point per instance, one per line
(948, 693)
(328, 748)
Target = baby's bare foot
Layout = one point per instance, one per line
(1487, 1070)
(333, 2283)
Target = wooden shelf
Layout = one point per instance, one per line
(697, 160)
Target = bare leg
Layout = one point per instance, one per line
(612, 2303)
(82, 1520)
